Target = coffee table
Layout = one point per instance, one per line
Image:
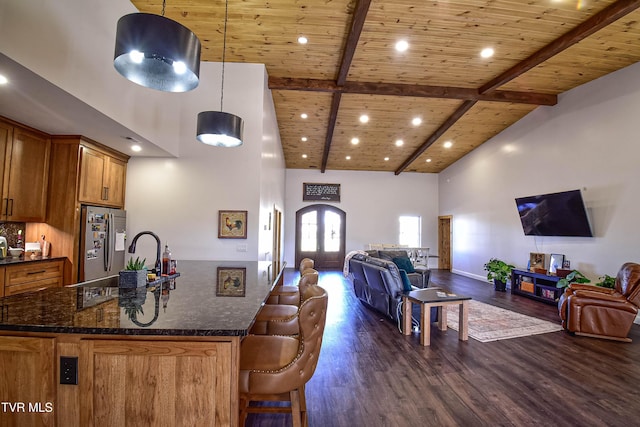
(434, 297)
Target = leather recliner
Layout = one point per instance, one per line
(603, 312)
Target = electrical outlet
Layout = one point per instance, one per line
(69, 370)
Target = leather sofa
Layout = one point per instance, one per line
(418, 275)
(378, 284)
(602, 312)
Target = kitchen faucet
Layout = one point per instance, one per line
(132, 249)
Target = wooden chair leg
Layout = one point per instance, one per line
(295, 408)
(303, 406)
(243, 411)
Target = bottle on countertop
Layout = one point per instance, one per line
(166, 260)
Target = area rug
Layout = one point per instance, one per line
(489, 323)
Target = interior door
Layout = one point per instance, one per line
(320, 235)
(444, 242)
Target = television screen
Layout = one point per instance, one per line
(555, 214)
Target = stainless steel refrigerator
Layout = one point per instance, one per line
(102, 242)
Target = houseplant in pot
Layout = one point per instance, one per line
(499, 272)
(574, 277)
(134, 274)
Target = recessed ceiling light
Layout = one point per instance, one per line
(399, 143)
(428, 160)
(304, 115)
(448, 144)
(417, 121)
(136, 148)
(302, 40)
(487, 52)
(386, 159)
(355, 141)
(304, 156)
(348, 157)
(3, 80)
(304, 139)
(402, 45)
(364, 118)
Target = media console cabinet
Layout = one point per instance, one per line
(537, 286)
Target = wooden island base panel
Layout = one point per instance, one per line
(167, 356)
(440, 299)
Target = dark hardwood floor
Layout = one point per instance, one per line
(371, 375)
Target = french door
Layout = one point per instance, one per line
(320, 236)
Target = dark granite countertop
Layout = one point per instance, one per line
(189, 305)
(22, 259)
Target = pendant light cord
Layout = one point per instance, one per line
(164, 3)
(224, 48)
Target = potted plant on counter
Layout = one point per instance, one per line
(134, 274)
(498, 272)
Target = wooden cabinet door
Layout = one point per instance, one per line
(116, 176)
(92, 171)
(28, 377)
(6, 134)
(26, 178)
(158, 383)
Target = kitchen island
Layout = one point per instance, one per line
(163, 355)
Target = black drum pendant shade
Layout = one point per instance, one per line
(157, 52)
(219, 129)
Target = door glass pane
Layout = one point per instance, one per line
(331, 232)
(309, 231)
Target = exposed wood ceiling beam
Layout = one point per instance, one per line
(418, 91)
(461, 111)
(597, 22)
(359, 16)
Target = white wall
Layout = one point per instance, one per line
(587, 141)
(179, 198)
(373, 202)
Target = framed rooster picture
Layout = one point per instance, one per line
(232, 224)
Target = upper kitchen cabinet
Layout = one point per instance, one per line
(102, 178)
(24, 171)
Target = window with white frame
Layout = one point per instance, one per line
(409, 231)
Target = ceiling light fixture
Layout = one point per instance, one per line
(136, 148)
(157, 52)
(417, 121)
(355, 141)
(348, 157)
(402, 46)
(303, 115)
(487, 52)
(304, 156)
(399, 143)
(302, 40)
(428, 160)
(448, 144)
(218, 128)
(303, 139)
(364, 118)
(3, 80)
(386, 159)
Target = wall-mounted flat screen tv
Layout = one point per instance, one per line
(555, 214)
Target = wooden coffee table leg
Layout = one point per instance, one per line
(406, 316)
(425, 324)
(463, 334)
(442, 317)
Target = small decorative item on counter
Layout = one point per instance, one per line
(166, 260)
(134, 275)
(32, 248)
(19, 239)
(44, 247)
(16, 252)
(3, 247)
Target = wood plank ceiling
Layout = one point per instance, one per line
(350, 67)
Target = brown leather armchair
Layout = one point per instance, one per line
(291, 295)
(602, 312)
(276, 368)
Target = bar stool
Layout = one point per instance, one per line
(291, 294)
(282, 319)
(306, 263)
(276, 368)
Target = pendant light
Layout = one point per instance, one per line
(157, 52)
(218, 128)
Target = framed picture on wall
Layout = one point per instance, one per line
(232, 224)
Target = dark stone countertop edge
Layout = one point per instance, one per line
(126, 331)
(21, 260)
